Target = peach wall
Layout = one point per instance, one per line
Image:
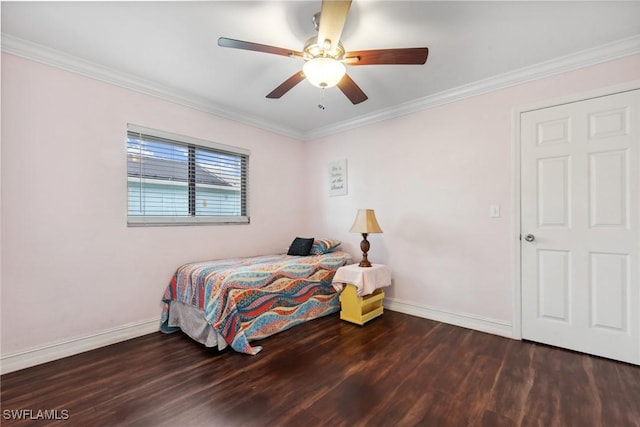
(431, 177)
(70, 265)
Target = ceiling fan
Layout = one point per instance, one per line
(325, 57)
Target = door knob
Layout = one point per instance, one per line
(529, 238)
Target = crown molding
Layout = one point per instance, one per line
(585, 58)
(55, 58)
(603, 53)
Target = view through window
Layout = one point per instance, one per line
(179, 180)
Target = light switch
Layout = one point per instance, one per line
(494, 211)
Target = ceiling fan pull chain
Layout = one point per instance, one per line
(321, 105)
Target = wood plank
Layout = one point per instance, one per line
(396, 370)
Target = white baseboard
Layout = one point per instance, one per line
(50, 352)
(478, 323)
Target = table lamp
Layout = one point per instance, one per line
(365, 223)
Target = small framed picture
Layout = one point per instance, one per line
(338, 178)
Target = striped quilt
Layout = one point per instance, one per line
(252, 298)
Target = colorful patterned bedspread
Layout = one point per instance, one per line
(252, 298)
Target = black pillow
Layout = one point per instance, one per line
(300, 246)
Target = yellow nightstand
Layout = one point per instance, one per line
(361, 298)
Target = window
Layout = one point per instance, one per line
(177, 180)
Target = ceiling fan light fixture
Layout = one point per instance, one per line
(324, 72)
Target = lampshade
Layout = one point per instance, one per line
(323, 72)
(365, 222)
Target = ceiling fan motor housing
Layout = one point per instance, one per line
(313, 49)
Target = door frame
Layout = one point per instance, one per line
(516, 228)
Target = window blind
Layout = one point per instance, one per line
(178, 180)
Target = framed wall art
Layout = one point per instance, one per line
(338, 178)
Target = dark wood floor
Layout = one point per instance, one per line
(398, 370)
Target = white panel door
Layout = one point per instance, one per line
(580, 226)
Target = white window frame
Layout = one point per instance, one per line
(148, 220)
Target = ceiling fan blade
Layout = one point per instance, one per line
(239, 44)
(333, 15)
(410, 56)
(286, 86)
(352, 90)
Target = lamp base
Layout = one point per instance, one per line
(364, 247)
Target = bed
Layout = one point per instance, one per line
(232, 302)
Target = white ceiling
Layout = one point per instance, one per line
(170, 48)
